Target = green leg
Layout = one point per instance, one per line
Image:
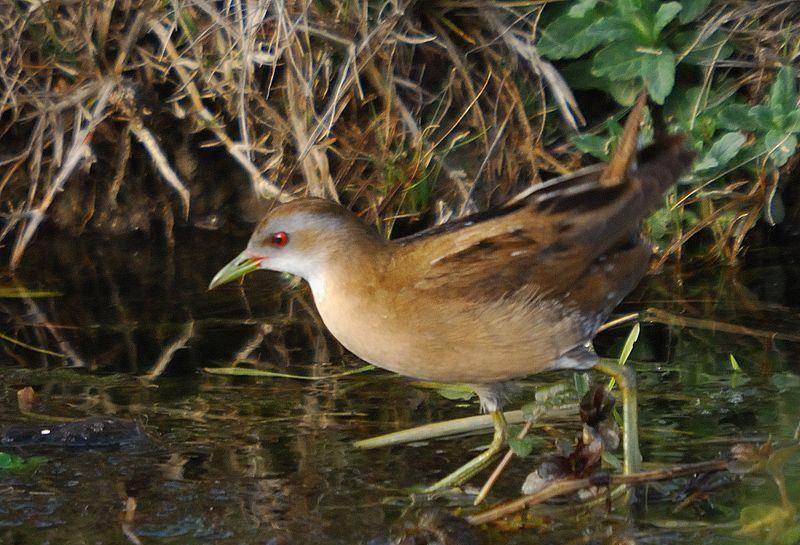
(626, 380)
(481, 461)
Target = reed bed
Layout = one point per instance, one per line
(117, 116)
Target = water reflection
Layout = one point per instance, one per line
(262, 460)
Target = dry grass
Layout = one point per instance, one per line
(399, 109)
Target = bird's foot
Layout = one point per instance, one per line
(477, 464)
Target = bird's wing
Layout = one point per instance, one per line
(557, 241)
(547, 244)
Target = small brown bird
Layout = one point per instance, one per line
(488, 298)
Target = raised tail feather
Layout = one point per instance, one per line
(660, 165)
(621, 160)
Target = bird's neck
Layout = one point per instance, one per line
(350, 268)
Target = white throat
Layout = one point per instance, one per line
(318, 287)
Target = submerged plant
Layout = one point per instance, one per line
(769, 523)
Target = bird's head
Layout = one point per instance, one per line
(302, 237)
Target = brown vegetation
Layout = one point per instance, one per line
(401, 109)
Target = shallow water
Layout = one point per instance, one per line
(269, 460)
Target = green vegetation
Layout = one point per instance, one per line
(118, 115)
(696, 58)
(13, 463)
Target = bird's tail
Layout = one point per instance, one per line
(620, 162)
(660, 165)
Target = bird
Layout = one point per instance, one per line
(515, 290)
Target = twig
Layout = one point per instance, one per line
(130, 39)
(251, 344)
(261, 186)
(561, 488)
(128, 516)
(75, 155)
(169, 352)
(585, 171)
(622, 320)
(487, 486)
(12, 340)
(38, 317)
(662, 317)
(565, 100)
(468, 205)
(160, 161)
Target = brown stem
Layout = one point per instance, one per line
(561, 488)
(487, 486)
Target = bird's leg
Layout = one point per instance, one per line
(481, 461)
(626, 380)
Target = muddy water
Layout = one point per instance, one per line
(269, 460)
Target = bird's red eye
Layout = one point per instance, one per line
(280, 239)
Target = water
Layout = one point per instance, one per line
(269, 461)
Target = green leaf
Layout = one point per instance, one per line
(722, 151)
(581, 381)
(596, 146)
(780, 146)
(658, 73)
(746, 118)
(456, 392)
(791, 536)
(792, 123)
(611, 460)
(629, 7)
(618, 62)
(658, 223)
(609, 29)
(755, 516)
(692, 9)
(569, 37)
(14, 463)
(701, 50)
(579, 76)
(737, 116)
(624, 92)
(523, 447)
(764, 117)
(580, 9)
(706, 163)
(783, 94)
(680, 106)
(665, 14)
(627, 348)
(6, 460)
(735, 364)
